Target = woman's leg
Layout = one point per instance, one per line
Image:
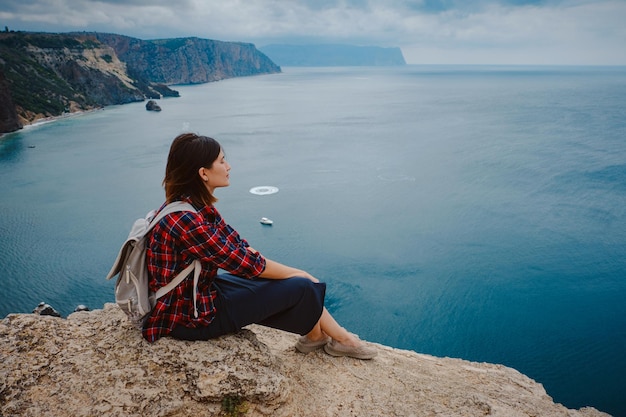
(328, 326)
(342, 343)
(294, 305)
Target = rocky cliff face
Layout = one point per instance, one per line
(50, 74)
(96, 363)
(8, 115)
(54, 74)
(188, 60)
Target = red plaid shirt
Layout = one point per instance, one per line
(175, 242)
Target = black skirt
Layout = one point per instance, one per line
(293, 305)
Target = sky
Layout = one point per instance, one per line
(504, 32)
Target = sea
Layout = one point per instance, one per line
(474, 212)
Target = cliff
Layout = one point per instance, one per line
(96, 363)
(188, 60)
(332, 55)
(51, 74)
(8, 115)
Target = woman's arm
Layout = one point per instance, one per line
(276, 270)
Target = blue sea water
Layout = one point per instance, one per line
(473, 212)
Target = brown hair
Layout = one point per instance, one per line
(190, 152)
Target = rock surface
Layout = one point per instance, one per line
(96, 363)
(151, 105)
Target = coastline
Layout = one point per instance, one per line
(28, 125)
(50, 119)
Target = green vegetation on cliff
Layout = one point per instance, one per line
(35, 86)
(48, 74)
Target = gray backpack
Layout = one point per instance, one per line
(132, 292)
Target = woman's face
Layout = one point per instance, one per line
(217, 175)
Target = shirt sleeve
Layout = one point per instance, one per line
(219, 244)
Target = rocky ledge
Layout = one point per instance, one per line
(96, 363)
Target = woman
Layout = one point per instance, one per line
(255, 290)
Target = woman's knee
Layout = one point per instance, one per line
(303, 282)
(306, 286)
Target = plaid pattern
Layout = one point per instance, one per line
(175, 242)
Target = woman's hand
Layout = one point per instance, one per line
(305, 274)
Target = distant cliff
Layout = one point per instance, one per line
(187, 60)
(51, 74)
(333, 55)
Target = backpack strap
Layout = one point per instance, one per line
(196, 265)
(169, 209)
(134, 236)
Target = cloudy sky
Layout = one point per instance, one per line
(567, 32)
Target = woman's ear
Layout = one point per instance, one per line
(203, 174)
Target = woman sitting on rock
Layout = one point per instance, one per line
(255, 289)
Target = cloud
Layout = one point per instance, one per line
(428, 31)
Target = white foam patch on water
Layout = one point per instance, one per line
(264, 190)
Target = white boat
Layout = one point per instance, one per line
(265, 220)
